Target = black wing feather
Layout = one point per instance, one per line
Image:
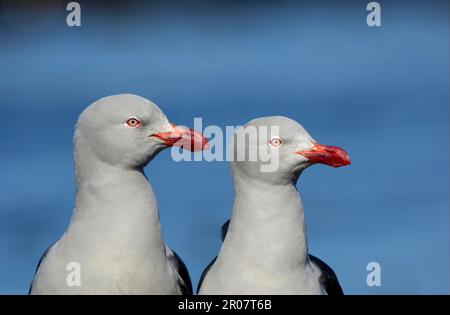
(39, 264)
(224, 230)
(186, 284)
(327, 278)
(202, 277)
(223, 233)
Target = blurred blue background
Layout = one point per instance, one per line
(380, 93)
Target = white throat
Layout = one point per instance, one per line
(113, 205)
(267, 224)
(265, 250)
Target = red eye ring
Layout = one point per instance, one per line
(133, 122)
(275, 142)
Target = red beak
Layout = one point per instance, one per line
(332, 156)
(188, 139)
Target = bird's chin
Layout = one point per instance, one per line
(301, 166)
(297, 171)
(150, 154)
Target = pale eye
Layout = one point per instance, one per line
(276, 142)
(133, 122)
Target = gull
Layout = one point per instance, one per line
(264, 248)
(113, 243)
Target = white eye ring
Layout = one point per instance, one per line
(275, 142)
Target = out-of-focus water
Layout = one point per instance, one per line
(380, 93)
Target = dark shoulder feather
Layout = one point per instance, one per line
(327, 278)
(224, 230)
(223, 233)
(39, 264)
(184, 280)
(202, 277)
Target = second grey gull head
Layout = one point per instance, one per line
(288, 145)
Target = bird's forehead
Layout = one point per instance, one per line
(119, 107)
(278, 126)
